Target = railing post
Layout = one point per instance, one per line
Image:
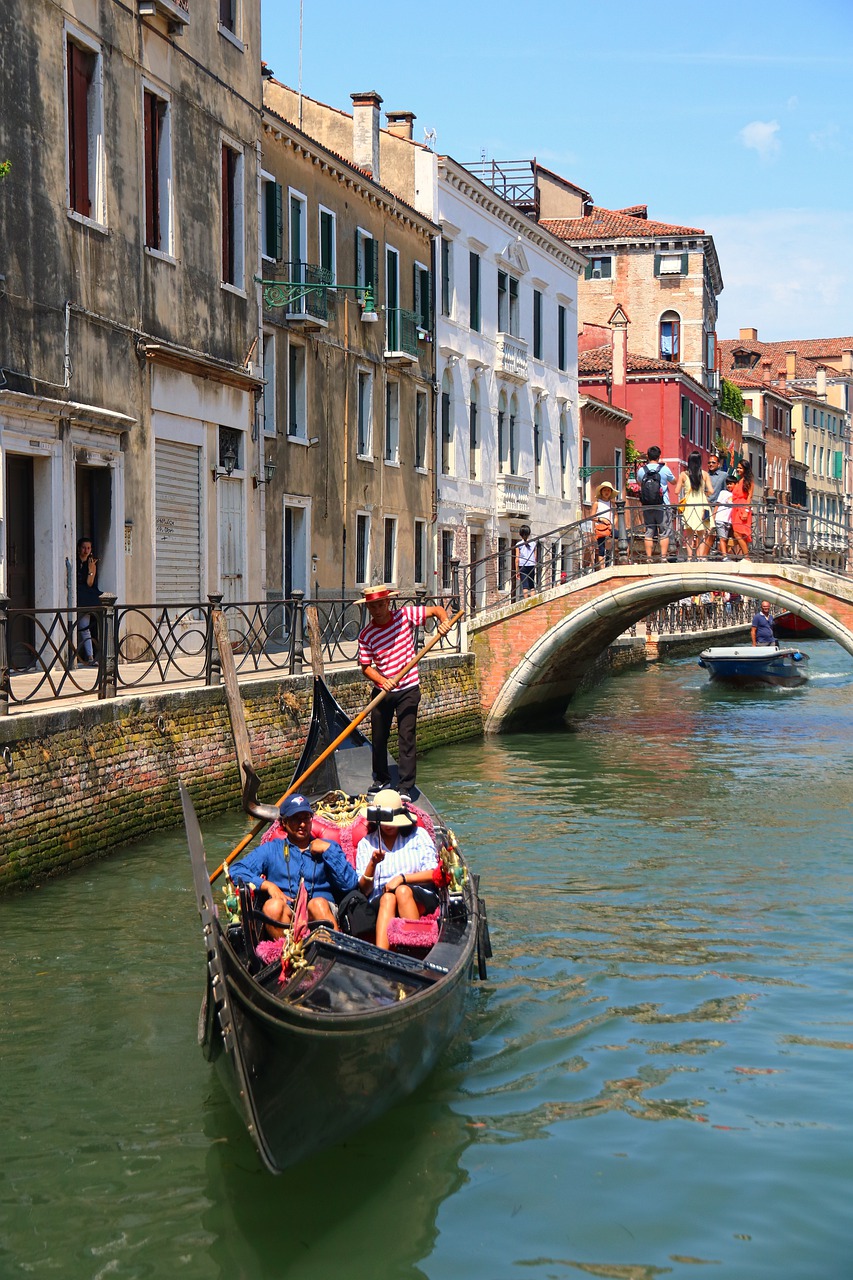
(108, 673)
(454, 584)
(770, 526)
(212, 663)
(5, 683)
(298, 633)
(420, 598)
(621, 531)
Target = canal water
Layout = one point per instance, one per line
(655, 1081)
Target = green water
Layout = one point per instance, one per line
(655, 1080)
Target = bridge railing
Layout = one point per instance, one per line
(779, 534)
(140, 646)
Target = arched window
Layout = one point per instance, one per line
(446, 424)
(670, 336)
(502, 433)
(473, 434)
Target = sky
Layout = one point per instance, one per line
(733, 117)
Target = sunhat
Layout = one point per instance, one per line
(377, 593)
(387, 809)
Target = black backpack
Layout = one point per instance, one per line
(651, 490)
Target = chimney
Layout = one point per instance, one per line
(847, 362)
(821, 382)
(619, 392)
(791, 364)
(749, 335)
(765, 370)
(400, 123)
(365, 131)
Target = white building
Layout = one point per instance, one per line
(506, 368)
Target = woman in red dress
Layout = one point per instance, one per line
(741, 510)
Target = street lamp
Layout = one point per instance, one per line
(283, 293)
(229, 459)
(269, 472)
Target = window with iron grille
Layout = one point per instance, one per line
(362, 548)
(446, 560)
(420, 553)
(389, 557)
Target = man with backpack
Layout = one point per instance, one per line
(654, 479)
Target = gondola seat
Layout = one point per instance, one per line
(413, 937)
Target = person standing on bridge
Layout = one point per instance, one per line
(525, 562)
(694, 503)
(655, 478)
(741, 508)
(718, 474)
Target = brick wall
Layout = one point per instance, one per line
(79, 782)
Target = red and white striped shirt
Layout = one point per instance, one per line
(392, 647)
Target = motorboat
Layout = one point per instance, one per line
(755, 664)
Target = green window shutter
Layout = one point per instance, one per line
(685, 264)
(587, 271)
(838, 464)
(275, 220)
(657, 264)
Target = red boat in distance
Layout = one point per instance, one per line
(791, 624)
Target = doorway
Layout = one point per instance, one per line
(231, 540)
(295, 551)
(20, 557)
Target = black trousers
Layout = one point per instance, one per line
(405, 706)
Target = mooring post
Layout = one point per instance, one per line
(298, 633)
(621, 531)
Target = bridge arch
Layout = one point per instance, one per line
(532, 656)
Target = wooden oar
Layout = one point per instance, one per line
(236, 710)
(324, 755)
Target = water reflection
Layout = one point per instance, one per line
(672, 944)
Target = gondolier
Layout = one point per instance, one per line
(385, 647)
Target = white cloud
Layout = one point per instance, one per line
(787, 272)
(826, 139)
(760, 136)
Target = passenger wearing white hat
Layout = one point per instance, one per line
(396, 862)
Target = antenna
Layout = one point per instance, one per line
(301, 8)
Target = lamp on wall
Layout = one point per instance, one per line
(269, 472)
(229, 461)
(283, 293)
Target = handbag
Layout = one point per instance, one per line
(602, 528)
(356, 913)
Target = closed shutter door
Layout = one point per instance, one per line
(178, 525)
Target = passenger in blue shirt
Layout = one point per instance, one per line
(277, 866)
(762, 626)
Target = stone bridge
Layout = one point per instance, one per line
(531, 655)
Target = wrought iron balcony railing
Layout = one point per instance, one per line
(303, 289)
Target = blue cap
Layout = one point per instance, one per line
(294, 805)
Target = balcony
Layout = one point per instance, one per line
(310, 306)
(513, 495)
(405, 336)
(512, 357)
(753, 427)
(176, 12)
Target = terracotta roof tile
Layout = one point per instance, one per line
(812, 353)
(600, 360)
(614, 224)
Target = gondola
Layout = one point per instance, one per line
(308, 1061)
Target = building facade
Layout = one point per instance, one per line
(348, 355)
(129, 313)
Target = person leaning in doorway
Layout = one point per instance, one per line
(88, 596)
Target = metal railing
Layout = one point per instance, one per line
(145, 646)
(403, 332)
(315, 300)
(689, 615)
(780, 534)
